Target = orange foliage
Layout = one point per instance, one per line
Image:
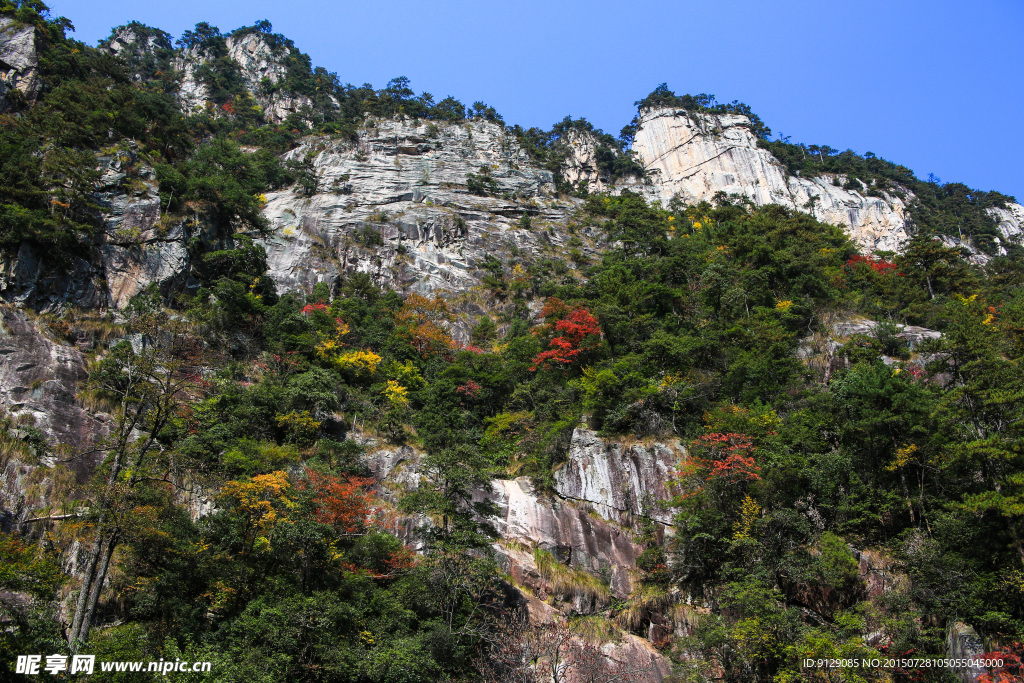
(729, 462)
(422, 320)
(345, 504)
(1012, 669)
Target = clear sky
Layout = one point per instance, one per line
(935, 85)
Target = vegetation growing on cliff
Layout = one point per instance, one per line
(688, 328)
(701, 323)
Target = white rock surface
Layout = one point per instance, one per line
(567, 531)
(620, 482)
(18, 59)
(694, 156)
(407, 182)
(260, 63)
(1011, 224)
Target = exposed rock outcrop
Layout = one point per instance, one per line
(694, 156)
(135, 246)
(620, 482)
(911, 335)
(1011, 224)
(29, 278)
(573, 531)
(39, 378)
(395, 204)
(262, 67)
(137, 45)
(18, 60)
(136, 249)
(963, 642)
(580, 533)
(570, 532)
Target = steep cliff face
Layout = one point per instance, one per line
(395, 204)
(571, 550)
(695, 156)
(136, 245)
(1011, 222)
(622, 483)
(18, 60)
(39, 378)
(261, 68)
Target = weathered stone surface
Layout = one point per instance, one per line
(569, 532)
(38, 381)
(261, 64)
(581, 166)
(963, 642)
(136, 250)
(636, 654)
(572, 531)
(135, 46)
(911, 334)
(395, 205)
(694, 156)
(35, 279)
(18, 59)
(1011, 224)
(620, 482)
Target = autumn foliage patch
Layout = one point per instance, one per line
(578, 332)
(719, 459)
(343, 503)
(880, 266)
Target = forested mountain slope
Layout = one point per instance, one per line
(319, 382)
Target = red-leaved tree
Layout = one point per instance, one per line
(345, 504)
(880, 266)
(719, 461)
(577, 333)
(1012, 668)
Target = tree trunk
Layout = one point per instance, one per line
(83, 595)
(97, 588)
(906, 496)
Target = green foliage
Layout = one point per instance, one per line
(662, 97)
(224, 179)
(552, 148)
(697, 323)
(937, 208)
(30, 577)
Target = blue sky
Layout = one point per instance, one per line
(933, 85)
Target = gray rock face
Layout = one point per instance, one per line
(694, 156)
(28, 278)
(567, 531)
(911, 334)
(136, 249)
(1011, 224)
(132, 250)
(261, 64)
(573, 531)
(395, 204)
(18, 59)
(39, 379)
(963, 642)
(135, 46)
(620, 482)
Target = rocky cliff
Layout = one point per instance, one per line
(417, 204)
(394, 203)
(18, 60)
(573, 550)
(695, 156)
